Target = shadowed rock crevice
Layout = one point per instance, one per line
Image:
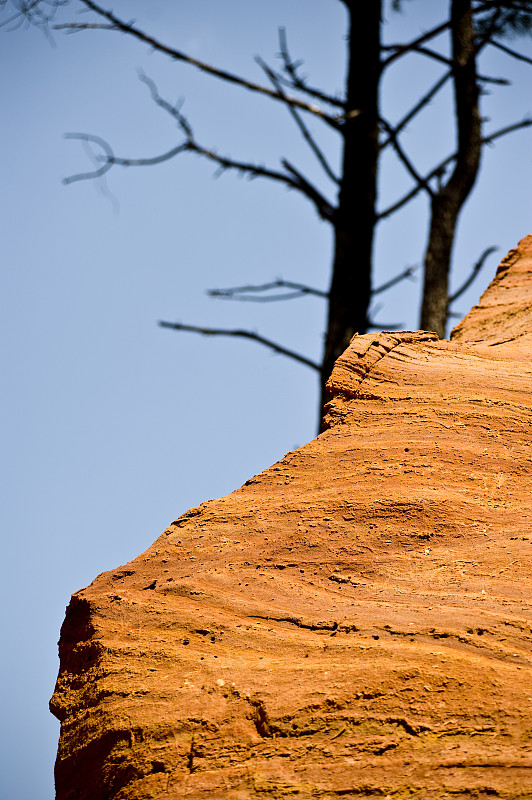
(356, 621)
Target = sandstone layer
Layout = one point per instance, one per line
(356, 620)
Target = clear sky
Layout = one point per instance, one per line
(113, 426)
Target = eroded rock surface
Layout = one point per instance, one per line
(356, 620)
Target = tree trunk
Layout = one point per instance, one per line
(447, 203)
(354, 221)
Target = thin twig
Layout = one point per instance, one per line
(496, 81)
(384, 326)
(425, 100)
(401, 49)
(299, 122)
(510, 52)
(525, 123)
(243, 292)
(296, 82)
(406, 273)
(244, 334)
(325, 209)
(108, 159)
(474, 272)
(425, 51)
(244, 298)
(412, 171)
(178, 55)
(272, 298)
(174, 110)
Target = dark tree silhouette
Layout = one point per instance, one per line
(469, 27)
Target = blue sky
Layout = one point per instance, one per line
(113, 426)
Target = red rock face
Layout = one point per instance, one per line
(356, 620)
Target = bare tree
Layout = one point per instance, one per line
(448, 199)
(365, 134)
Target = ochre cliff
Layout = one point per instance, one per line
(356, 620)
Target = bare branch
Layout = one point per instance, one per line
(293, 180)
(525, 123)
(325, 209)
(108, 159)
(435, 173)
(298, 82)
(322, 206)
(77, 27)
(384, 326)
(406, 273)
(242, 293)
(299, 122)
(402, 49)
(474, 272)
(246, 298)
(425, 51)
(153, 160)
(117, 24)
(174, 111)
(510, 52)
(297, 181)
(245, 293)
(422, 184)
(223, 162)
(244, 334)
(425, 100)
(496, 81)
(441, 167)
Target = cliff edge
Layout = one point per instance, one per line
(356, 620)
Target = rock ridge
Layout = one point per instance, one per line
(354, 621)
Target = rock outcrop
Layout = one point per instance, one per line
(356, 620)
